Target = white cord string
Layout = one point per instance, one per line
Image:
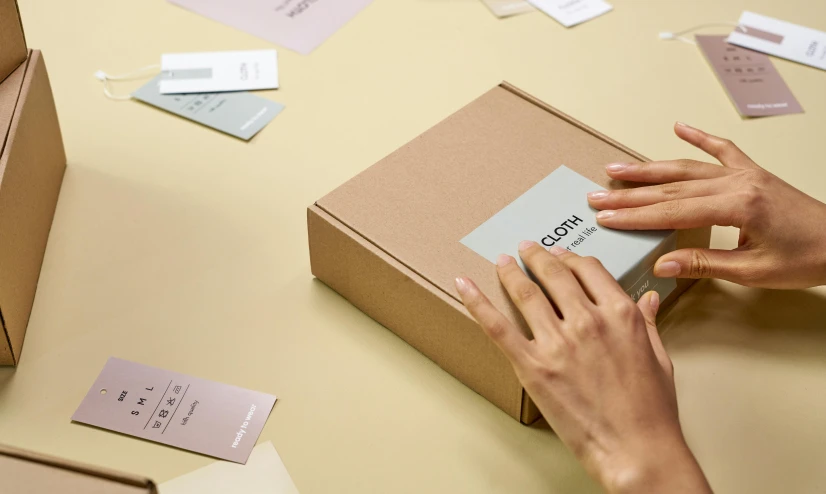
(105, 78)
(679, 34)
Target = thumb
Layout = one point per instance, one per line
(731, 265)
(649, 305)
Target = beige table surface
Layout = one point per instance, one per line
(179, 247)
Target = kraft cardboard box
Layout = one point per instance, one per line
(26, 472)
(392, 239)
(32, 162)
(13, 50)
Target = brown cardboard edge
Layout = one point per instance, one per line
(571, 120)
(22, 35)
(7, 131)
(34, 61)
(6, 354)
(509, 402)
(22, 28)
(54, 462)
(24, 67)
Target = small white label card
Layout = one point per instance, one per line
(213, 72)
(781, 39)
(572, 12)
(183, 411)
(507, 8)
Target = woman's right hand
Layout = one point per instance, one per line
(782, 230)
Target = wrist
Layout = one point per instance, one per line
(656, 466)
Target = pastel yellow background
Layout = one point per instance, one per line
(179, 247)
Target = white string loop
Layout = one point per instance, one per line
(136, 74)
(679, 34)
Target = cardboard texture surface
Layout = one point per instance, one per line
(32, 162)
(388, 240)
(12, 42)
(24, 472)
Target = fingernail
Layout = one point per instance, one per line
(525, 245)
(616, 167)
(503, 260)
(655, 301)
(681, 124)
(604, 215)
(600, 194)
(462, 285)
(556, 250)
(668, 269)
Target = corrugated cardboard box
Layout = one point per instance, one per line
(32, 162)
(12, 42)
(24, 472)
(389, 240)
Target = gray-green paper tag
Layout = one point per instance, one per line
(239, 114)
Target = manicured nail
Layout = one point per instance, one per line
(600, 194)
(556, 250)
(462, 286)
(503, 260)
(604, 215)
(525, 245)
(668, 269)
(616, 167)
(655, 301)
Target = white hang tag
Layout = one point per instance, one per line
(213, 72)
(781, 39)
(572, 12)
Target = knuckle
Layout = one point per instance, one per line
(671, 210)
(590, 262)
(551, 268)
(752, 195)
(684, 167)
(727, 144)
(586, 322)
(625, 309)
(700, 266)
(672, 190)
(496, 330)
(527, 292)
(546, 372)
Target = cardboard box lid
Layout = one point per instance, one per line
(12, 40)
(26, 472)
(419, 202)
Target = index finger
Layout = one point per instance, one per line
(498, 328)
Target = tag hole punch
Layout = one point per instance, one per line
(103, 391)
